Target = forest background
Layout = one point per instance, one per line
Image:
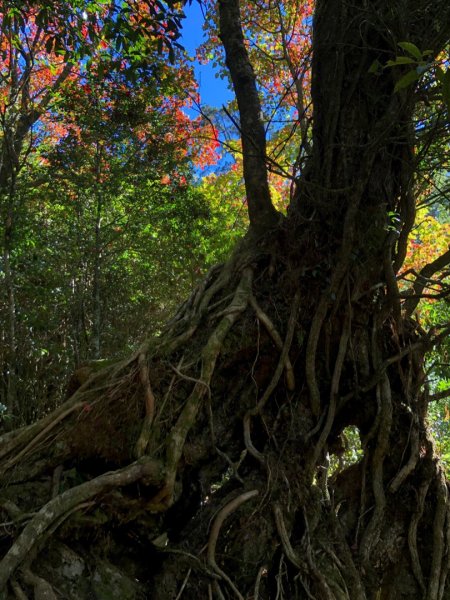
(114, 210)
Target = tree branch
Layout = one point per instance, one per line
(422, 280)
(262, 213)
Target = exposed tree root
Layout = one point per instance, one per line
(283, 363)
(412, 535)
(145, 469)
(144, 437)
(383, 424)
(291, 555)
(18, 591)
(186, 579)
(439, 539)
(173, 401)
(210, 353)
(290, 378)
(214, 535)
(42, 589)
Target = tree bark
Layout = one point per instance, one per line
(262, 214)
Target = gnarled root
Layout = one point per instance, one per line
(145, 469)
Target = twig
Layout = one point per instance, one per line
(186, 579)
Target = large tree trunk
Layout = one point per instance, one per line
(221, 432)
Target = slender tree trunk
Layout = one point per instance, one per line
(11, 366)
(98, 250)
(96, 285)
(79, 291)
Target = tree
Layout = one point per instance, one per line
(29, 80)
(300, 339)
(108, 134)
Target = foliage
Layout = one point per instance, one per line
(104, 217)
(279, 46)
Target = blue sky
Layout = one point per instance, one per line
(213, 91)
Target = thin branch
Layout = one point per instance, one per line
(421, 282)
(439, 395)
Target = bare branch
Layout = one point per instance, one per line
(422, 279)
(439, 395)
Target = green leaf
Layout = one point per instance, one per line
(405, 81)
(412, 49)
(401, 60)
(375, 67)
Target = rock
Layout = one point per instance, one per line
(109, 583)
